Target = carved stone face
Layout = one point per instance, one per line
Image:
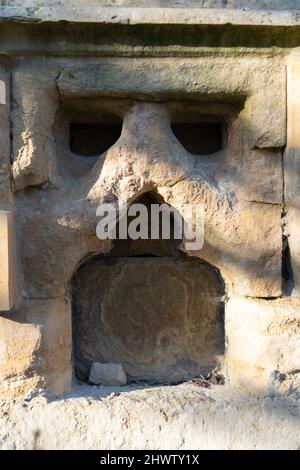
(184, 131)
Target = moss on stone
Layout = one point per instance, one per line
(144, 40)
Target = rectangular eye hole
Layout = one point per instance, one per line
(201, 138)
(92, 139)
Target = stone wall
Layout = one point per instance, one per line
(150, 78)
(229, 4)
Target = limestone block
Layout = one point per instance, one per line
(66, 233)
(265, 4)
(35, 347)
(268, 187)
(263, 336)
(35, 103)
(232, 4)
(7, 272)
(125, 3)
(260, 82)
(107, 374)
(53, 363)
(19, 344)
(243, 240)
(252, 256)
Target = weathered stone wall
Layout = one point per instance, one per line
(224, 72)
(236, 4)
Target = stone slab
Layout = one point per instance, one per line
(107, 374)
(182, 417)
(154, 15)
(35, 348)
(263, 337)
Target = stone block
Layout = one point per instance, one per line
(107, 374)
(35, 347)
(263, 336)
(35, 105)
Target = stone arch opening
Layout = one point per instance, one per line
(149, 307)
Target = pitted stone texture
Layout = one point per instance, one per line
(56, 212)
(35, 348)
(34, 108)
(18, 345)
(67, 232)
(251, 81)
(229, 4)
(107, 374)
(240, 186)
(237, 240)
(263, 338)
(180, 417)
(160, 317)
(175, 12)
(120, 3)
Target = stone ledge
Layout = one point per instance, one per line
(138, 417)
(135, 16)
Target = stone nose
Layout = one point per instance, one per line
(146, 128)
(147, 155)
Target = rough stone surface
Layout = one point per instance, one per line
(161, 318)
(181, 417)
(136, 165)
(292, 220)
(107, 374)
(249, 4)
(35, 348)
(259, 80)
(275, 12)
(57, 193)
(33, 140)
(227, 65)
(263, 340)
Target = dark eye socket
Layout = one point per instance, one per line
(199, 138)
(93, 139)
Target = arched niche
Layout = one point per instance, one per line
(150, 307)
